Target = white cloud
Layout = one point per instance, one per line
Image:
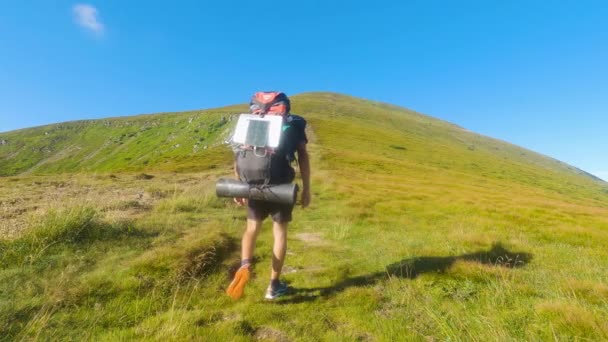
(87, 16)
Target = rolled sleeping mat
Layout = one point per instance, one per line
(231, 188)
(283, 193)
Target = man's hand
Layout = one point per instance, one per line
(240, 201)
(305, 198)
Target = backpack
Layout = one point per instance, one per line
(265, 167)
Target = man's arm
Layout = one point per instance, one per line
(239, 201)
(304, 164)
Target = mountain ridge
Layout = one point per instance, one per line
(58, 145)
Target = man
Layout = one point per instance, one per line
(293, 141)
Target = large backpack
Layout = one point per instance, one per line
(264, 167)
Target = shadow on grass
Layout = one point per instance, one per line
(411, 268)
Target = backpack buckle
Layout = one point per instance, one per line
(255, 149)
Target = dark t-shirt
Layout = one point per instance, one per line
(293, 133)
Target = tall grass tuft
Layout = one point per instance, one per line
(194, 256)
(201, 259)
(194, 201)
(67, 227)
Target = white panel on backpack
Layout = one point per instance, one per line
(263, 132)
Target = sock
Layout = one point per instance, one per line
(274, 283)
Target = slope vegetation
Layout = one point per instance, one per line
(419, 230)
(175, 141)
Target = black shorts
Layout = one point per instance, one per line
(259, 210)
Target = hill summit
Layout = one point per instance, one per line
(193, 140)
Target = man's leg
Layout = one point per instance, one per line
(279, 231)
(248, 242)
(236, 287)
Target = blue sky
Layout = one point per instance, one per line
(534, 73)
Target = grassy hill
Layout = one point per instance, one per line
(182, 140)
(419, 229)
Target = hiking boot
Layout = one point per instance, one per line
(277, 291)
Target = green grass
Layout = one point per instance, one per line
(171, 141)
(418, 230)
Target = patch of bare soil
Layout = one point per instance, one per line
(120, 196)
(312, 239)
(270, 334)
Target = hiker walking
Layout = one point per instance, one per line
(265, 169)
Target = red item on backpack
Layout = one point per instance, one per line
(270, 102)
